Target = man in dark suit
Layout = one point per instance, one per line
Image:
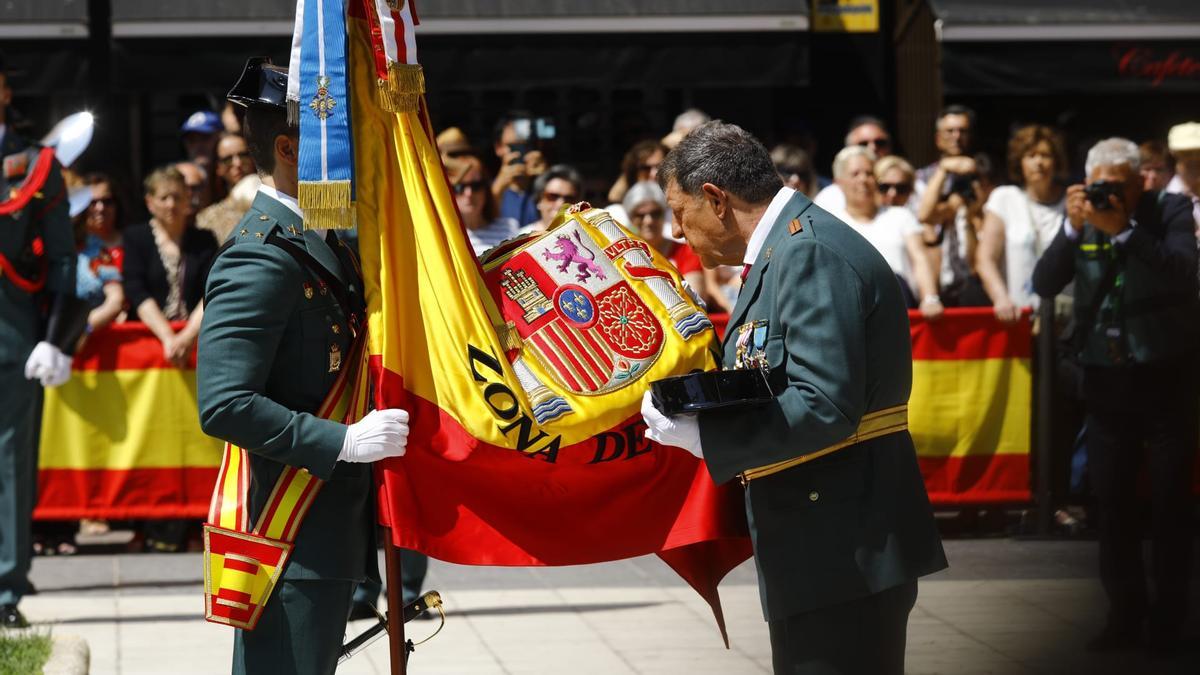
(841, 524)
(275, 328)
(1132, 256)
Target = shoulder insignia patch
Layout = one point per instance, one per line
(16, 165)
(795, 226)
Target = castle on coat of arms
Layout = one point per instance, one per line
(525, 292)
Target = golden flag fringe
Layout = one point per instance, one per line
(327, 205)
(402, 90)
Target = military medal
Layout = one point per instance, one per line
(308, 291)
(751, 347)
(335, 358)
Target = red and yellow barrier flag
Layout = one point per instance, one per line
(524, 382)
(970, 412)
(121, 439)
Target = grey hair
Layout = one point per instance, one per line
(641, 192)
(690, 119)
(1113, 152)
(725, 155)
(848, 153)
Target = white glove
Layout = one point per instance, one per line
(379, 435)
(48, 364)
(680, 431)
(61, 372)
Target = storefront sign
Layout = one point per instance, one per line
(845, 16)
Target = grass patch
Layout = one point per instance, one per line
(23, 652)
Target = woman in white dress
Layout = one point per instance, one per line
(892, 230)
(1021, 220)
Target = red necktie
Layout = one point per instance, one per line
(746, 271)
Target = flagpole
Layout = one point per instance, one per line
(395, 613)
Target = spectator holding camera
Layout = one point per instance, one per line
(521, 161)
(1021, 220)
(1132, 256)
(951, 213)
(954, 135)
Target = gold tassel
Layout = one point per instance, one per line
(331, 194)
(402, 90)
(326, 205)
(293, 113)
(342, 218)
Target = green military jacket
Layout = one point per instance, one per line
(822, 311)
(271, 336)
(44, 218)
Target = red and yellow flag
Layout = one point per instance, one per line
(122, 439)
(971, 409)
(524, 383)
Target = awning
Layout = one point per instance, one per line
(31, 20)
(1069, 46)
(154, 18)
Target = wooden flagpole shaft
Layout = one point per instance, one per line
(395, 613)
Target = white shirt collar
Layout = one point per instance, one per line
(763, 228)
(288, 201)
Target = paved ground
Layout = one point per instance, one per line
(1005, 606)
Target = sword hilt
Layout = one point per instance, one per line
(428, 601)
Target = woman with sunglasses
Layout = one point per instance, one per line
(476, 204)
(892, 230)
(559, 186)
(101, 253)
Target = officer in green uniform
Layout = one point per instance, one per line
(39, 324)
(840, 540)
(276, 326)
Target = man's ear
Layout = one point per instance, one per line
(287, 149)
(716, 199)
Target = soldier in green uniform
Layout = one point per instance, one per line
(839, 540)
(276, 325)
(39, 323)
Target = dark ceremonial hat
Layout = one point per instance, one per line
(262, 85)
(705, 391)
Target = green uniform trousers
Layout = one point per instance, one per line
(865, 636)
(301, 630)
(20, 403)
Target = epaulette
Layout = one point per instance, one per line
(256, 226)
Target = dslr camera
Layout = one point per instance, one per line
(960, 184)
(1098, 193)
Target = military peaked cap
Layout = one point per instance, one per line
(262, 85)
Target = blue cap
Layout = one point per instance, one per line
(202, 122)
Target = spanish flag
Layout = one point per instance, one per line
(122, 439)
(971, 408)
(523, 377)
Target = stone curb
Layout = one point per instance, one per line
(69, 656)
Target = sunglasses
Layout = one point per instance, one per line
(647, 167)
(899, 188)
(104, 201)
(474, 186)
(228, 160)
(555, 197)
(877, 142)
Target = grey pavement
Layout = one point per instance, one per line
(1005, 606)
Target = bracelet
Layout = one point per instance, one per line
(932, 297)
